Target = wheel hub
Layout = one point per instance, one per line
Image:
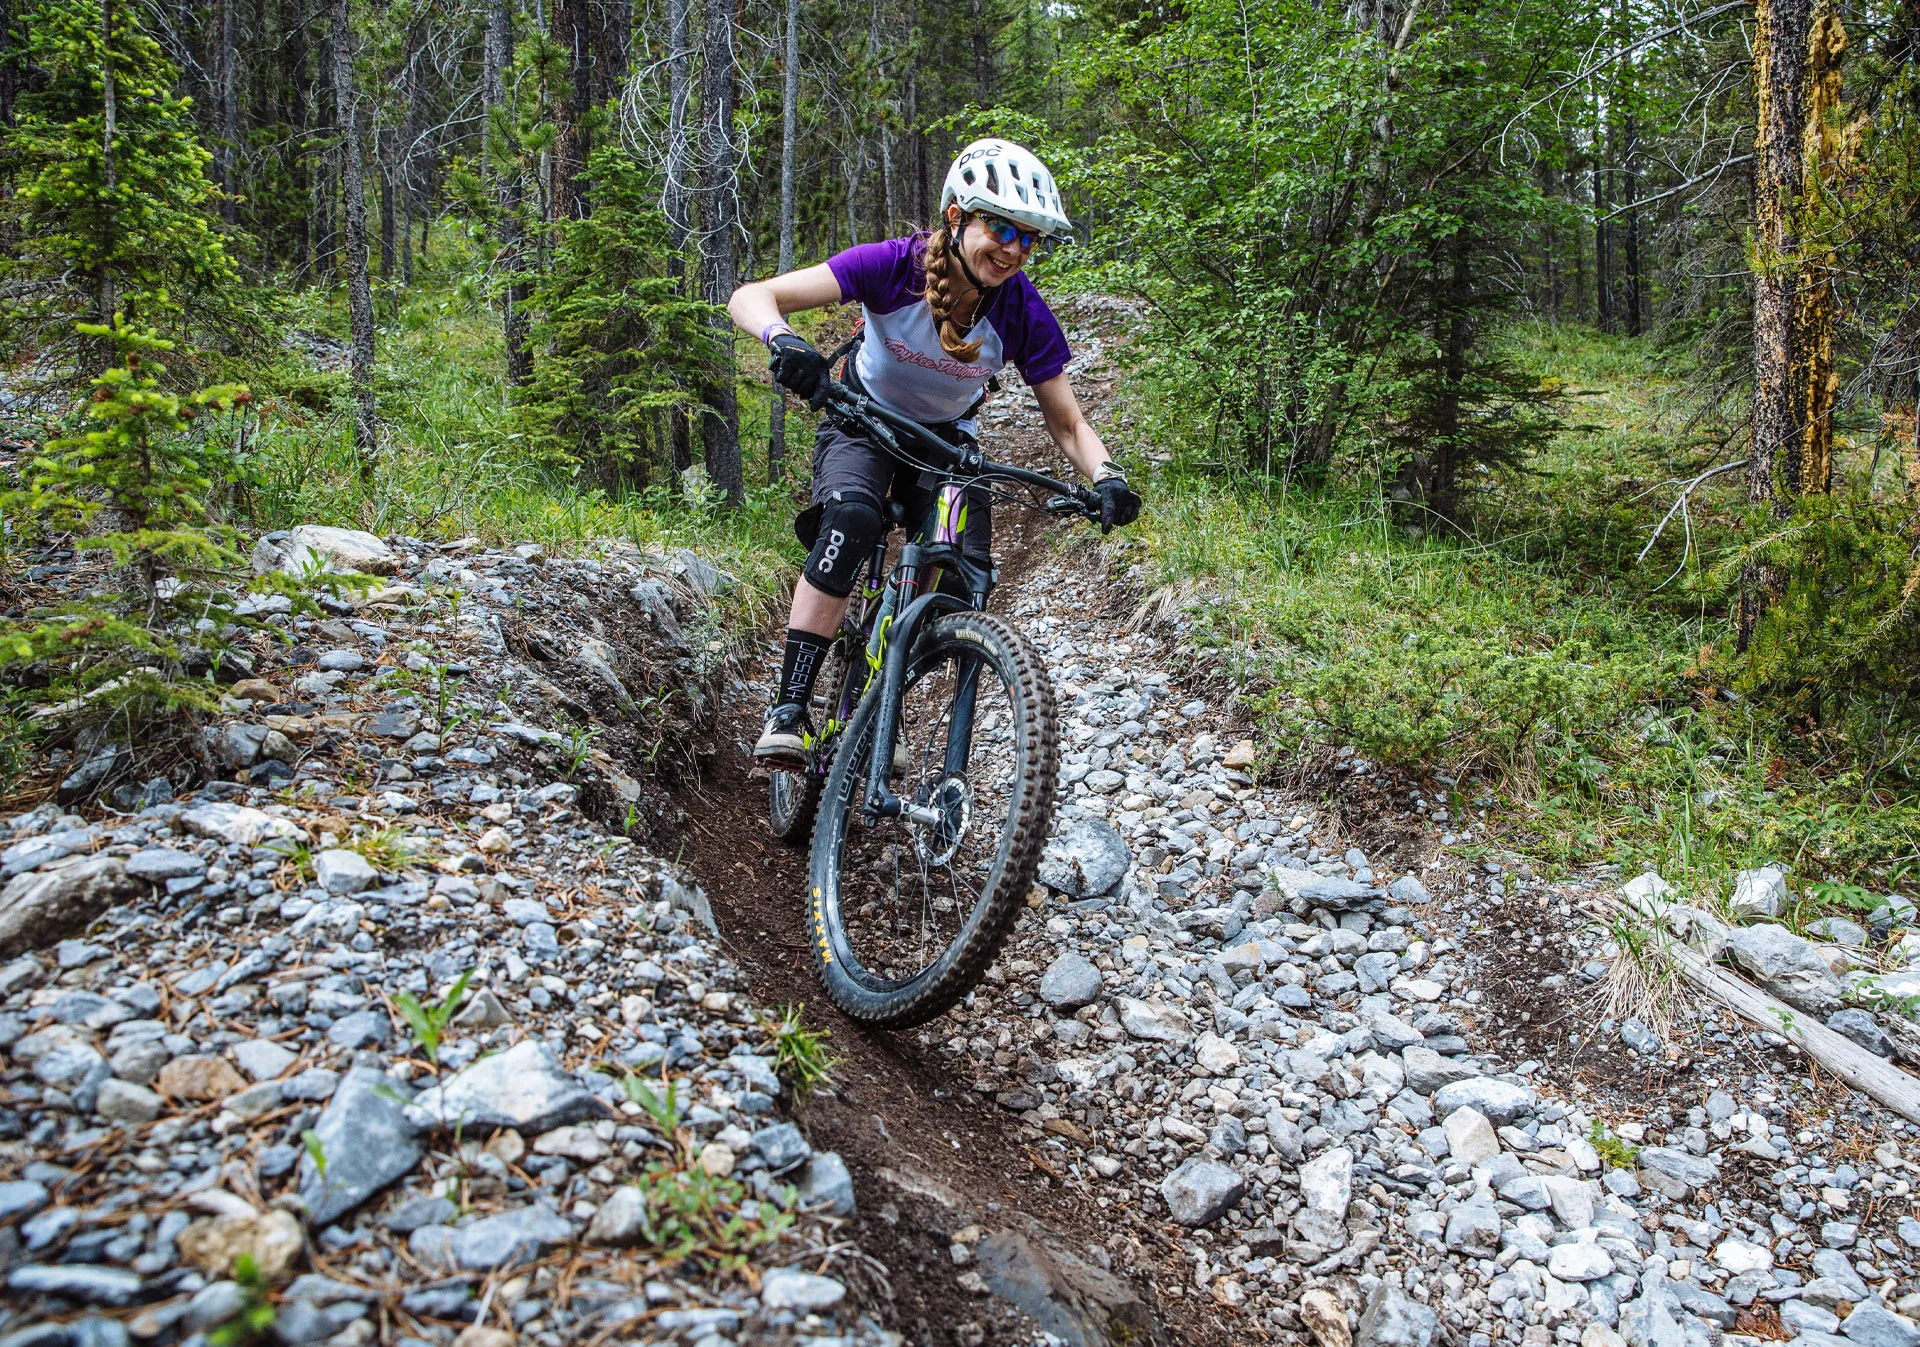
(951, 801)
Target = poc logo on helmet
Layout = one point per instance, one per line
(828, 557)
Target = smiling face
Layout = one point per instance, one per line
(992, 261)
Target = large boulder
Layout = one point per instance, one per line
(335, 549)
(1787, 966)
(43, 907)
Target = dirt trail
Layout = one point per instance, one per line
(929, 1155)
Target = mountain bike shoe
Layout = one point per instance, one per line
(784, 743)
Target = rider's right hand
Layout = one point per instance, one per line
(798, 367)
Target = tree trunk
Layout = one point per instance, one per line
(359, 284)
(570, 103)
(509, 197)
(676, 192)
(720, 427)
(229, 71)
(789, 146)
(1828, 146)
(1773, 464)
(109, 129)
(385, 148)
(1630, 231)
(9, 65)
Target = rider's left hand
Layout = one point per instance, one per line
(1119, 503)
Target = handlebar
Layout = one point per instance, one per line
(889, 428)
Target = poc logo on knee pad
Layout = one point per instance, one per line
(835, 540)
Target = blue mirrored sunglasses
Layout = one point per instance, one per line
(1007, 232)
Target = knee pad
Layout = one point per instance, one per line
(849, 527)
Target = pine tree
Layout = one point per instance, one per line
(115, 211)
(136, 479)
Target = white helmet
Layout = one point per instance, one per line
(998, 176)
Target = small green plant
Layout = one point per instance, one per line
(256, 1314)
(316, 1152)
(799, 1053)
(687, 1212)
(1876, 997)
(299, 855)
(1615, 1152)
(579, 744)
(389, 849)
(429, 1021)
(663, 1108)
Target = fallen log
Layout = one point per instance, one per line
(1871, 1075)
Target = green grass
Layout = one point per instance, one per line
(451, 466)
(1583, 689)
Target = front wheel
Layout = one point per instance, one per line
(908, 916)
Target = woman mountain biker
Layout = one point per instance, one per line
(941, 313)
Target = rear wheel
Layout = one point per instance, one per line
(908, 915)
(792, 797)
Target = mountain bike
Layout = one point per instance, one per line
(931, 778)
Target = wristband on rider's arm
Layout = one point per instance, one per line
(774, 329)
(1108, 469)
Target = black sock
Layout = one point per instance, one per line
(805, 651)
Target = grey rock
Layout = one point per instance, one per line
(1653, 1320)
(514, 1236)
(43, 907)
(1802, 1317)
(365, 1135)
(1703, 1304)
(621, 1220)
(1787, 966)
(1840, 931)
(1473, 1228)
(214, 1304)
(262, 1058)
(781, 1146)
(523, 1088)
(1337, 894)
(140, 1062)
(1874, 1325)
(786, 1288)
(234, 824)
(35, 852)
(1500, 1101)
(361, 1029)
(1760, 893)
(21, 1197)
(157, 865)
(1692, 1170)
(340, 871)
(1862, 1028)
(1640, 1038)
(826, 1184)
(1326, 1190)
(1086, 858)
(1201, 1191)
(1394, 1319)
(1409, 890)
(77, 1281)
(1427, 1070)
(410, 1215)
(124, 1102)
(1078, 1303)
(1153, 1020)
(1580, 1263)
(1070, 982)
(315, 1083)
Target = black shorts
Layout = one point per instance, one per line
(846, 465)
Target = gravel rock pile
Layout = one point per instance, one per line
(1269, 1056)
(234, 1074)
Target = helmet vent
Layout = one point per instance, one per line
(967, 173)
(1022, 191)
(993, 181)
(1014, 169)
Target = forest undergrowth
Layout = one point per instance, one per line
(452, 464)
(1573, 700)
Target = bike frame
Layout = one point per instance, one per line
(912, 593)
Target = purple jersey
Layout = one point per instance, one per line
(902, 365)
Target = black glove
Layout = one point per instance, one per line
(1119, 504)
(798, 367)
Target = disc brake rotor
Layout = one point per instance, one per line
(952, 799)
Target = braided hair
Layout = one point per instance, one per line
(939, 265)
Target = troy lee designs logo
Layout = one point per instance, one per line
(908, 356)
